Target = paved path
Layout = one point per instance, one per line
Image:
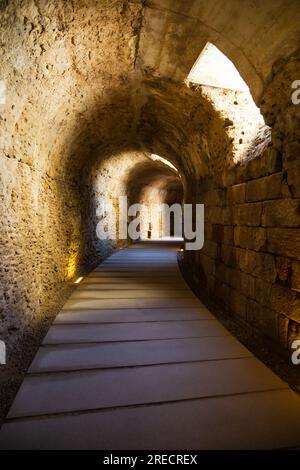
(135, 361)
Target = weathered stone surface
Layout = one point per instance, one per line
(263, 292)
(247, 285)
(293, 332)
(211, 249)
(285, 301)
(248, 214)
(222, 234)
(281, 213)
(295, 275)
(284, 241)
(237, 194)
(268, 162)
(216, 197)
(269, 187)
(291, 151)
(233, 278)
(228, 238)
(221, 292)
(293, 178)
(229, 178)
(217, 233)
(283, 268)
(59, 85)
(220, 271)
(207, 264)
(264, 319)
(229, 256)
(272, 180)
(283, 330)
(242, 282)
(237, 303)
(258, 264)
(250, 237)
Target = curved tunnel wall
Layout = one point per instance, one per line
(88, 80)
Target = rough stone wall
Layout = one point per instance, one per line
(40, 231)
(251, 257)
(243, 123)
(65, 66)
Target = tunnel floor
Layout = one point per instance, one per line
(135, 361)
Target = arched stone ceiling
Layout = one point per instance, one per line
(110, 73)
(253, 34)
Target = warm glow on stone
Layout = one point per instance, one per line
(72, 260)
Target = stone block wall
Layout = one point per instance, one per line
(250, 262)
(45, 244)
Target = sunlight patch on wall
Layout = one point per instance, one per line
(71, 261)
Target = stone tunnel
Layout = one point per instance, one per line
(102, 98)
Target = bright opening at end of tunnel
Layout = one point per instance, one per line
(213, 68)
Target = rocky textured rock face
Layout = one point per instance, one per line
(66, 69)
(93, 88)
(250, 260)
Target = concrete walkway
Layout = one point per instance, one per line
(135, 361)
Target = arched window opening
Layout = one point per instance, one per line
(222, 84)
